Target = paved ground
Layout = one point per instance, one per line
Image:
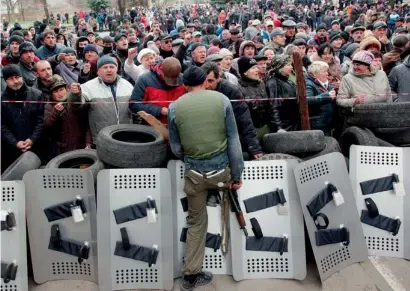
(378, 274)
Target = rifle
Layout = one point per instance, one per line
(235, 207)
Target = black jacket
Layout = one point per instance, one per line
(259, 110)
(186, 62)
(243, 118)
(28, 74)
(20, 121)
(285, 113)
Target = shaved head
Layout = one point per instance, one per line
(171, 67)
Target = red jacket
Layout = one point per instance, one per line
(8, 60)
(151, 87)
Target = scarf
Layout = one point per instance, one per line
(67, 72)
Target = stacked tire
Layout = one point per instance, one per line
(305, 145)
(132, 146)
(389, 122)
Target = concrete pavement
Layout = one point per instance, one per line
(377, 273)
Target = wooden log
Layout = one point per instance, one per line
(301, 90)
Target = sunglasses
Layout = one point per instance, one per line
(167, 41)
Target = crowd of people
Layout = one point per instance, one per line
(59, 89)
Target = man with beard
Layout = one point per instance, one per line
(80, 43)
(44, 78)
(21, 123)
(165, 49)
(243, 118)
(320, 37)
(12, 56)
(50, 47)
(198, 53)
(27, 54)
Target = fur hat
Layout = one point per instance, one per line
(368, 41)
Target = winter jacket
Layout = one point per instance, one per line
(285, 113)
(69, 73)
(250, 33)
(102, 114)
(28, 74)
(206, 39)
(399, 80)
(44, 52)
(391, 59)
(9, 59)
(320, 108)
(134, 71)
(375, 86)
(334, 67)
(185, 62)
(345, 67)
(246, 129)
(151, 87)
(255, 89)
(43, 89)
(20, 121)
(69, 129)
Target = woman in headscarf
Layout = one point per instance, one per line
(284, 113)
(253, 88)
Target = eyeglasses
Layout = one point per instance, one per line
(167, 41)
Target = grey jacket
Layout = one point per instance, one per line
(28, 74)
(399, 79)
(375, 86)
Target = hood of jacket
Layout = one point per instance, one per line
(244, 44)
(371, 40)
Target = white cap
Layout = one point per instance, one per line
(143, 52)
(256, 22)
(225, 52)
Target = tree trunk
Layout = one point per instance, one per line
(301, 91)
(121, 6)
(21, 4)
(45, 5)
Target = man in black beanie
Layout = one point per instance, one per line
(27, 55)
(203, 134)
(12, 56)
(21, 123)
(198, 53)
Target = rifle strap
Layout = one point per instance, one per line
(267, 244)
(224, 222)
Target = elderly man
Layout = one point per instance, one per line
(50, 47)
(21, 124)
(278, 40)
(203, 134)
(163, 83)
(165, 49)
(365, 84)
(110, 88)
(67, 66)
(198, 53)
(380, 32)
(289, 26)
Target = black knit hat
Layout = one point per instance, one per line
(196, 45)
(244, 64)
(26, 46)
(10, 71)
(18, 33)
(321, 26)
(194, 76)
(16, 38)
(334, 35)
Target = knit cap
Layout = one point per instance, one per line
(90, 47)
(363, 57)
(194, 76)
(105, 60)
(16, 38)
(26, 46)
(350, 49)
(213, 50)
(321, 26)
(225, 52)
(244, 64)
(10, 71)
(69, 50)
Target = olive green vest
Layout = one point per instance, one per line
(200, 120)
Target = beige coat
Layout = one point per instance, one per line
(375, 86)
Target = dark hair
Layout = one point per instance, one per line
(25, 32)
(130, 30)
(209, 67)
(323, 47)
(237, 45)
(377, 55)
(216, 42)
(210, 29)
(48, 32)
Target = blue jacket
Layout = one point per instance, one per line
(45, 52)
(231, 158)
(321, 108)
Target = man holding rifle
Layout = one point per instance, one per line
(203, 134)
